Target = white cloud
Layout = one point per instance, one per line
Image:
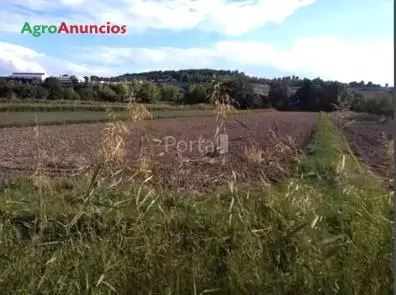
(15, 58)
(326, 57)
(72, 2)
(231, 18)
(13, 18)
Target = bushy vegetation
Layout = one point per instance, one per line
(326, 230)
(372, 102)
(194, 86)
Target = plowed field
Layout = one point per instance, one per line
(66, 148)
(369, 139)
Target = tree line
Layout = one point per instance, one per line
(198, 76)
(144, 91)
(282, 94)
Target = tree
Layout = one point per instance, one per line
(24, 90)
(5, 89)
(171, 93)
(319, 95)
(121, 90)
(41, 92)
(148, 93)
(105, 93)
(197, 93)
(55, 89)
(279, 95)
(182, 77)
(87, 93)
(243, 93)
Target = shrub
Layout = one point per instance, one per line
(87, 93)
(71, 94)
(148, 93)
(105, 93)
(195, 94)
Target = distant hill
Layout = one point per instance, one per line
(198, 76)
(187, 77)
(183, 76)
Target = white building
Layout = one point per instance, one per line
(68, 79)
(65, 79)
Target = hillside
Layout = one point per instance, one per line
(196, 76)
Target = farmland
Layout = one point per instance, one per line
(145, 199)
(66, 146)
(38, 105)
(15, 119)
(370, 139)
(22, 113)
(278, 213)
(28, 113)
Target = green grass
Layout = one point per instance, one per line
(324, 231)
(20, 119)
(51, 102)
(92, 106)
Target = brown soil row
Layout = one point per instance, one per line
(65, 148)
(368, 137)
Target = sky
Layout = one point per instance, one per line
(343, 40)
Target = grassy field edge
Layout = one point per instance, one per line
(325, 231)
(98, 106)
(27, 119)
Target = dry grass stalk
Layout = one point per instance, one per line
(223, 103)
(343, 114)
(278, 151)
(389, 146)
(284, 147)
(137, 111)
(113, 143)
(39, 179)
(145, 160)
(146, 157)
(254, 154)
(223, 106)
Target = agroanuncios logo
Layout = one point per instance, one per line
(63, 28)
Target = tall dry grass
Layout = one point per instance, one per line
(116, 131)
(224, 106)
(315, 233)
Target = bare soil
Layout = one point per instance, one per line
(67, 148)
(368, 137)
